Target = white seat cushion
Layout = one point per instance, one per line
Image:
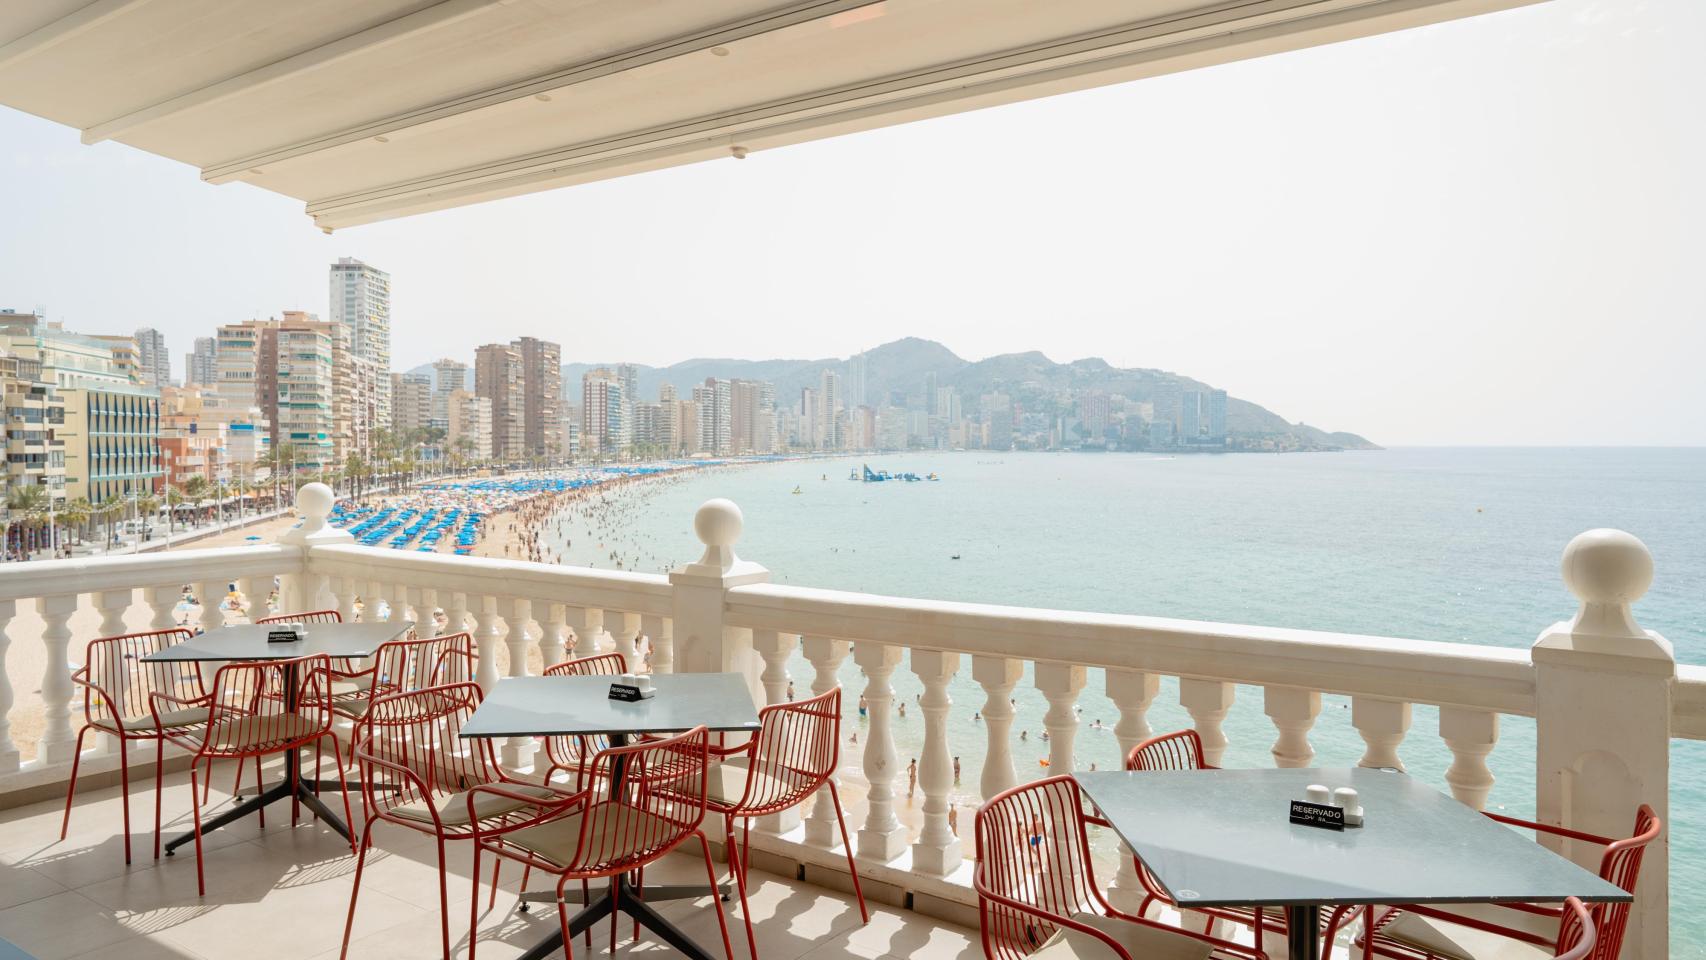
(453, 807)
(185, 717)
(1458, 942)
(249, 733)
(1143, 943)
(617, 831)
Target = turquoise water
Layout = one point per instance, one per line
(1436, 544)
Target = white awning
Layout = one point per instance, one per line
(372, 109)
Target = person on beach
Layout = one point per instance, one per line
(956, 771)
(864, 708)
(911, 777)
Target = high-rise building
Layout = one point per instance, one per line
(126, 356)
(1190, 416)
(470, 430)
(305, 383)
(360, 299)
(199, 363)
(858, 390)
(1217, 416)
(411, 402)
(33, 428)
(714, 400)
(930, 393)
(601, 412)
(448, 376)
(830, 435)
(669, 420)
(542, 396)
(809, 421)
(752, 417)
(154, 363)
(497, 377)
(628, 376)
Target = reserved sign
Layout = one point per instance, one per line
(1321, 815)
(628, 692)
(281, 636)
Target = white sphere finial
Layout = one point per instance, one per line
(718, 525)
(314, 503)
(1607, 566)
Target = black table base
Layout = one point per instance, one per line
(305, 791)
(1302, 933)
(627, 900)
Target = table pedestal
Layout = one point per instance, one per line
(623, 898)
(291, 787)
(1302, 933)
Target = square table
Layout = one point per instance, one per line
(1223, 838)
(569, 706)
(247, 642)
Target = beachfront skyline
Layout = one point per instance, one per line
(1366, 275)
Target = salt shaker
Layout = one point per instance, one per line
(1346, 797)
(1318, 793)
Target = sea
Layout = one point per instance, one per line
(1450, 544)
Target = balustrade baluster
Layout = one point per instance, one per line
(401, 612)
(937, 850)
(517, 612)
(254, 599)
(1132, 692)
(882, 837)
(624, 629)
(456, 621)
(346, 591)
(660, 633)
(424, 601)
(997, 675)
(1382, 724)
(487, 633)
(375, 609)
(57, 740)
(1060, 684)
(552, 629)
(586, 624)
(1207, 701)
(112, 604)
(164, 602)
(1471, 735)
(8, 750)
(825, 655)
(211, 593)
(775, 648)
(1293, 711)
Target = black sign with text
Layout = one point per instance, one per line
(281, 636)
(1320, 815)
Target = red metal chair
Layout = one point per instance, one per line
(117, 700)
(255, 710)
(311, 616)
(572, 753)
(1475, 931)
(1036, 886)
(416, 773)
(793, 755)
(641, 802)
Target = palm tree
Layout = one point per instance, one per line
(24, 507)
(110, 509)
(75, 516)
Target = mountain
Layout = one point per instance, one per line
(898, 369)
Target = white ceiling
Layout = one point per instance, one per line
(372, 109)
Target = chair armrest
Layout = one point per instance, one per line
(1548, 828)
(156, 698)
(368, 761)
(1475, 923)
(548, 809)
(735, 750)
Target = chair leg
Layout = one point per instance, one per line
(639, 894)
(159, 788)
(738, 870)
(124, 793)
(195, 814)
(71, 791)
(847, 845)
(355, 891)
(343, 785)
(716, 901)
(474, 903)
(237, 781)
(615, 911)
(586, 897)
(444, 898)
(259, 788)
(497, 866)
(563, 921)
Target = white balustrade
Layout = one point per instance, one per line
(163, 600)
(882, 837)
(624, 631)
(1132, 692)
(8, 749)
(825, 654)
(997, 676)
(487, 633)
(775, 648)
(552, 633)
(1293, 711)
(58, 741)
(211, 593)
(254, 599)
(1060, 684)
(937, 850)
(345, 592)
(1471, 736)
(662, 646)
(1208, 701)
(517, 613)
(1382, 724)
(586, 624)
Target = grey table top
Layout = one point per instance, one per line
(10, 951)
(1220, 838)
(248, 642)
(535, 706)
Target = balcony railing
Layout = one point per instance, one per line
(1591, 708)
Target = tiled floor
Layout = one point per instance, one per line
(281, 893)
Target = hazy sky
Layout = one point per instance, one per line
(1483, 232)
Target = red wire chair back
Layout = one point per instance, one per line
(630, 822)
(795, 754)
(418, 663)
(1576, 938)
(1032, 847)
(410, 745)
(126, 684)
(1621, 864)
(251, 713)
(569, 752)
(1180, 750)
(311, 616)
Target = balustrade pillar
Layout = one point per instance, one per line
(825, 655)
(882, 837)
(1060, 684)
(8, 750)
(58, 742)
(164, 602)
(517, 752)
(1382, 724)
(1132, 691)
(1471, 735)
(1293, 711)
(997, 676)
(937, 850)
(657, 631)
(706, 643)
(1602, 697)
(624, 629)
(551, 634)
(1208, 701)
